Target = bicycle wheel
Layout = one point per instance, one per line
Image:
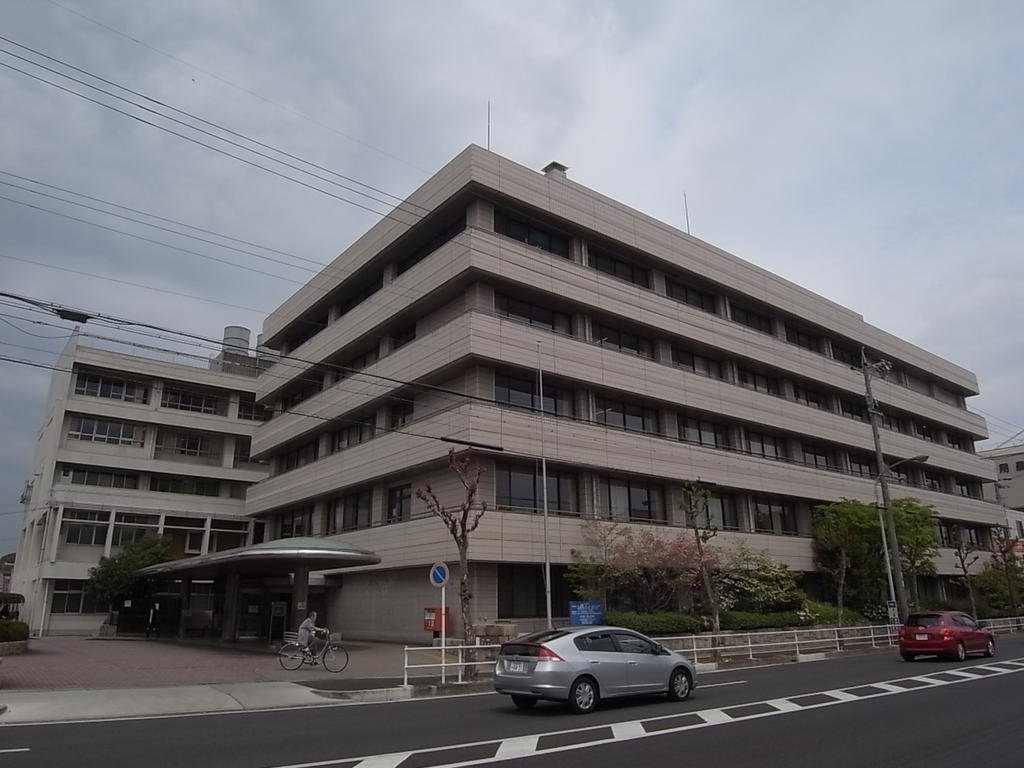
(335, 658)
(291, 656)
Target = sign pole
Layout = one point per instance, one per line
(444, 632)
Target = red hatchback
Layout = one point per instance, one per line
(944, 633)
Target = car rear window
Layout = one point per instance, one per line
(529, 645)
(924, 620)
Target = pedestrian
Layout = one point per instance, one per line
(154, 620)
(5, 612)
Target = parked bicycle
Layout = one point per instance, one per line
(332, 653)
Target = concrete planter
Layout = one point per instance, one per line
(13, 648)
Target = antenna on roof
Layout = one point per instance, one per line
(686, 208)
(488, 125)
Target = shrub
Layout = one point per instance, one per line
(664, 623)
(11, 631)
(826, 613)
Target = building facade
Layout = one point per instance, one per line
(664, 360)
(133, 445)
(1008, 489)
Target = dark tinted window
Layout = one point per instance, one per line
(598, 641)
(632, 644)
(924, 620)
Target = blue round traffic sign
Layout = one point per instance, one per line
(439, 574)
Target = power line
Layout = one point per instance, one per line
(243, 89)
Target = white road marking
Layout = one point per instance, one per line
(18, 749)
(633, 729)
(722, 685)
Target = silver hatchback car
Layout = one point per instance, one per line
(581, 665)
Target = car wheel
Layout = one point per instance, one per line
(960, 653)
(583, 696)
(524, 702)
(908, 656)
(679, 685)
(990, 648)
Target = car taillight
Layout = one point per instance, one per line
(546, 654)
(948, 633)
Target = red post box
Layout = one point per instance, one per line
(432, 619)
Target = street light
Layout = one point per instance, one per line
(883, 472)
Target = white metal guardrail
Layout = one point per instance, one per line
(704, 647)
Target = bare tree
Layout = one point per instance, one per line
(460, 521)
(966, 555)
(695, 504)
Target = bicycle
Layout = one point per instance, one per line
(332, 655)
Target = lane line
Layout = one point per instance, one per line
(722, 685)
(627, 730)
(15, 749)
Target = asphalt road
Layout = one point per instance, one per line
(920, 715)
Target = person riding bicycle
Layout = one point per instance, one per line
(309, 634)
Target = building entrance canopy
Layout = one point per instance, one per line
(270, 558)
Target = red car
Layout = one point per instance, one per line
(944, 633)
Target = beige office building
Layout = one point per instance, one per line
(664, 360)
(1008, 489)
(132, 445)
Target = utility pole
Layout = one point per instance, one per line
(882, 367)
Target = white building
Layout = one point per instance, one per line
(132, 445)
(664, 359)
(1008, 490)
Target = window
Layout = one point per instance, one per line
(70, 596)
(305, 329)
(932, 481)
(630, 643)
(401, 414)
(353, 434)
(431, 245)
(863, 467)
(803, 338)
(724, 512)
(521, 392)
(296, 522)
(521, 592)
(973, 535)
(101, 478)
(691, 361)
(193, 542)
(616, 413)
(1003, 468)
(853, 409)
(403, 336)
(946, 537)
(623, 341)
(1020, 529)
(596, 642)
(924, 432)
(360, 294)
(758, 381)
(92, 531)
(300, 456)
(847, 355)
(193, 400)
(103, 431)
(1019, 467)
(767, 446)
(522, 487)
(812, 397)
(621, 269)
(243, 451)
(95, 385)
(195, 486)
(891, 422)
(689, 295)
(531, 314)
(900, 475)
(347, 368)
(774, 516)
(351, 512)
(632, 499)
(693, 429)
(399, 504)
(966, 488)
(517, 229)
(184, 444)
(816, 456)
(918, 384)
(751, 319)
(249, 410)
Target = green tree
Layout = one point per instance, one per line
(1001, 581)
(752, 580)
(114, 578)
(695, 506)
(916, 531)
(590, 574)
(844, 531)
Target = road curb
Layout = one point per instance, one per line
(404, 692)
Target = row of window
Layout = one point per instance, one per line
(706, 364)
(94, 430)
(746, 313)
(349, 512)
(179, 398)
(185, 484)
(1005, 467)
(71, 596)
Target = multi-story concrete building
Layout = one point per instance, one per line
(1008, 489)
(132, 445)
(664, 360)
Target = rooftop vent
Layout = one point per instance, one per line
(555, 169)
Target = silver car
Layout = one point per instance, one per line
(581, 665)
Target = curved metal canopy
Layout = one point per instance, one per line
(270, 558)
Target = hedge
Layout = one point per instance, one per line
(11, 631)
(665, 623)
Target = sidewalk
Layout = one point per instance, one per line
(71, 678)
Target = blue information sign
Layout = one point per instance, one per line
(583, 613)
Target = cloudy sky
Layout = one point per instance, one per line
(869, 151)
